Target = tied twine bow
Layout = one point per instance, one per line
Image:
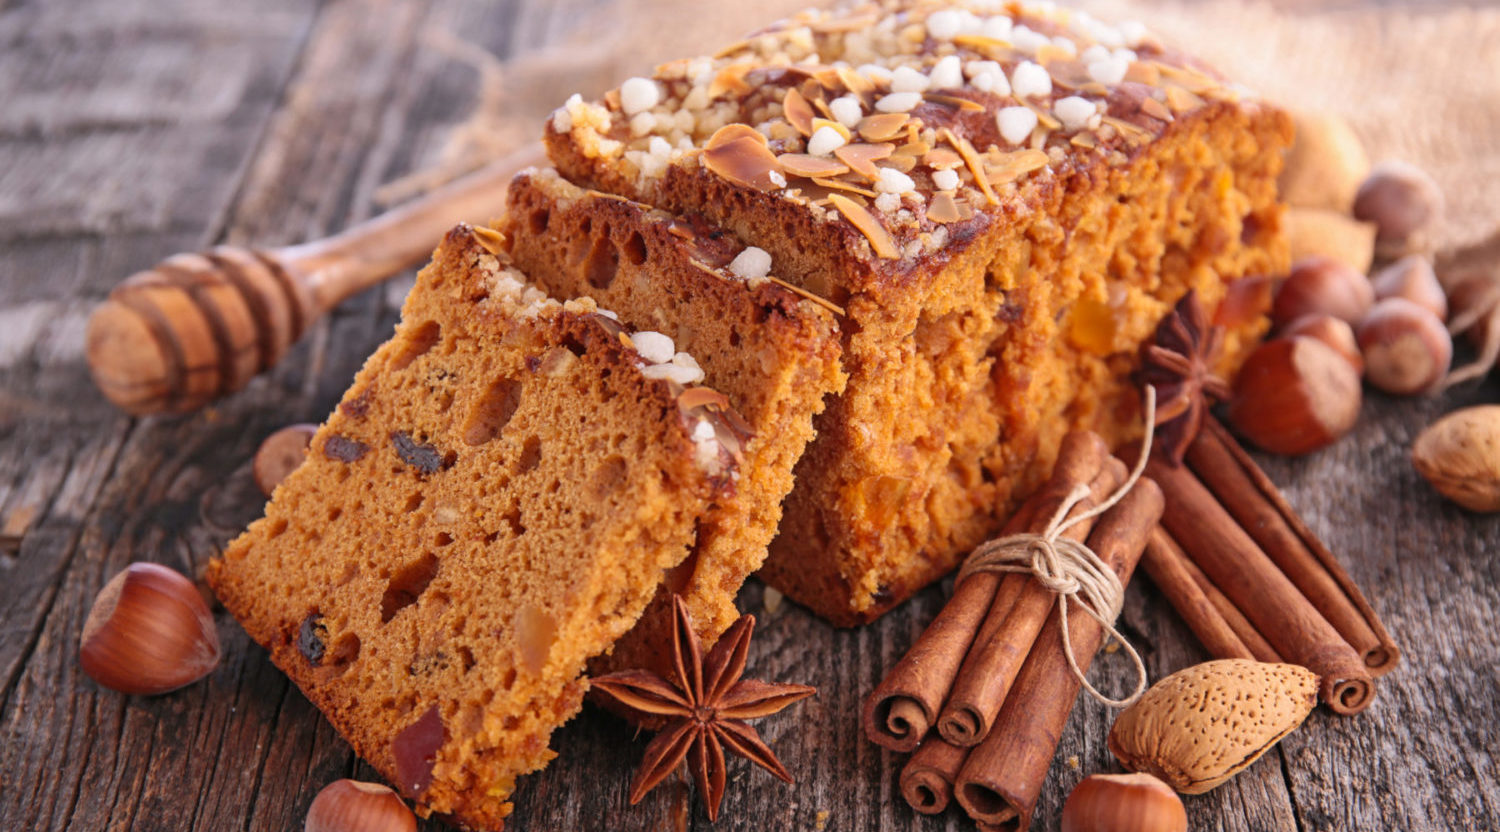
(1071, 569)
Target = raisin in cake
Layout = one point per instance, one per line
(1005, 199)
(493, 503)
(774, 354)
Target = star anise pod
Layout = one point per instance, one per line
(706, 706)
(1179, 362)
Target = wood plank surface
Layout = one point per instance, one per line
(133, 129)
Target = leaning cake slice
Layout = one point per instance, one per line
(772, 352)
(492, 504)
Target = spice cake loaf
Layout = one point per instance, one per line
(774, 354)
(493, 503)
(1005, 199)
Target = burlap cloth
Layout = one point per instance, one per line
(1421, 83)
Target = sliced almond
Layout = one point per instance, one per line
(696, 397)
(1008, 167)
(731, 81)
(882, 127)
(820, 123)
(801, 164)
(941, 158)
(492, 240)
(797, 111)
(971, 158)
(743, 159)
(1156, 109)
(1143, 72)
(730, 132)
(854, 82)
(954, 101)
(844, 185)
(1084, 140)
(980, 43)
(862, 158)
(837, 24)
(1133, 133)
(944, 208)
(1182, 100)
(861, 218)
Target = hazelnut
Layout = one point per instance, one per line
(1332, 331)
(1412, 278)
(1123, 803)
(1321, 285)
(1460, 455)
(280, 454)
(352, 806)
(1405, 205)
(149, 632)
(1311, 231)
(1294, 395)
(1325, 165)
(1407, 349)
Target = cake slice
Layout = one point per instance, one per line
(493, 503)
(772, 352)
(1004, 197)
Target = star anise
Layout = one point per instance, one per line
(1179, 362)
(706, 706)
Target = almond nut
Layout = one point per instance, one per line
(1460, 455)
(1202, 725)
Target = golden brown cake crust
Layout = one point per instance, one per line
(996, 287)
(494, 502)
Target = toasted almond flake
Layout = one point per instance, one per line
(844, 185)
(706, 268)
(827, 77)
(1043, 117)
(1143, 72)
(744, 161)
(731, 132)
(882, 127)
(980, 43)
(731, 79)
(1132, 133)
(904, 162)
(1182, 100)
(854, 82)
(731, 49)
(612, 99)
(1084, 140)
(1156, 109)
(1009, 167)
(822, 107)
(801, 164)
(1069, 73)
(957, 102)
(696, 397)
(862, 157)
(798, 290)
(1194, 80)
(915, 147)
(862, 219)
(941, 158)
(971, 159)
(944, 208)
(1053, 53)
(492, 240)
(835, 126)
(797, 111)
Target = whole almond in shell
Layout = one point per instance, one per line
(1204, 724)
(1460, 455)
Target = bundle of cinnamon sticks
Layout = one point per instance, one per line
(983, 695)
(1252, 581)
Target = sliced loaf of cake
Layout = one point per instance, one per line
(493, 503)
(772, 352)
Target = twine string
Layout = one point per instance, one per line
(1071, 569)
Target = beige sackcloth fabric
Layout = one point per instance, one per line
(1420, 83)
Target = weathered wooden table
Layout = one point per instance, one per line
(130, 130)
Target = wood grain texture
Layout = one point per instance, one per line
(135, 129)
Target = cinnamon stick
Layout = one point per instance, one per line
(1007, 636)
(1259, 647)
(927, 779)
(1249, 496)
(1164, 562)
(999, 783)
(1230, 558)
(901, 709)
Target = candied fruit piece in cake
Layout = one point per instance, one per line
(773, 353)
(1004, 198)
(493, 503)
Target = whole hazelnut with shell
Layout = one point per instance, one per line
(1405, 205)
(1322, 286)
(1407, 349)
(1294, 396)
(148, 632)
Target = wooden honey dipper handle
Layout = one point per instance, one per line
(199, 326)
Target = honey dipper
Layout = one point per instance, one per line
(198, 326)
